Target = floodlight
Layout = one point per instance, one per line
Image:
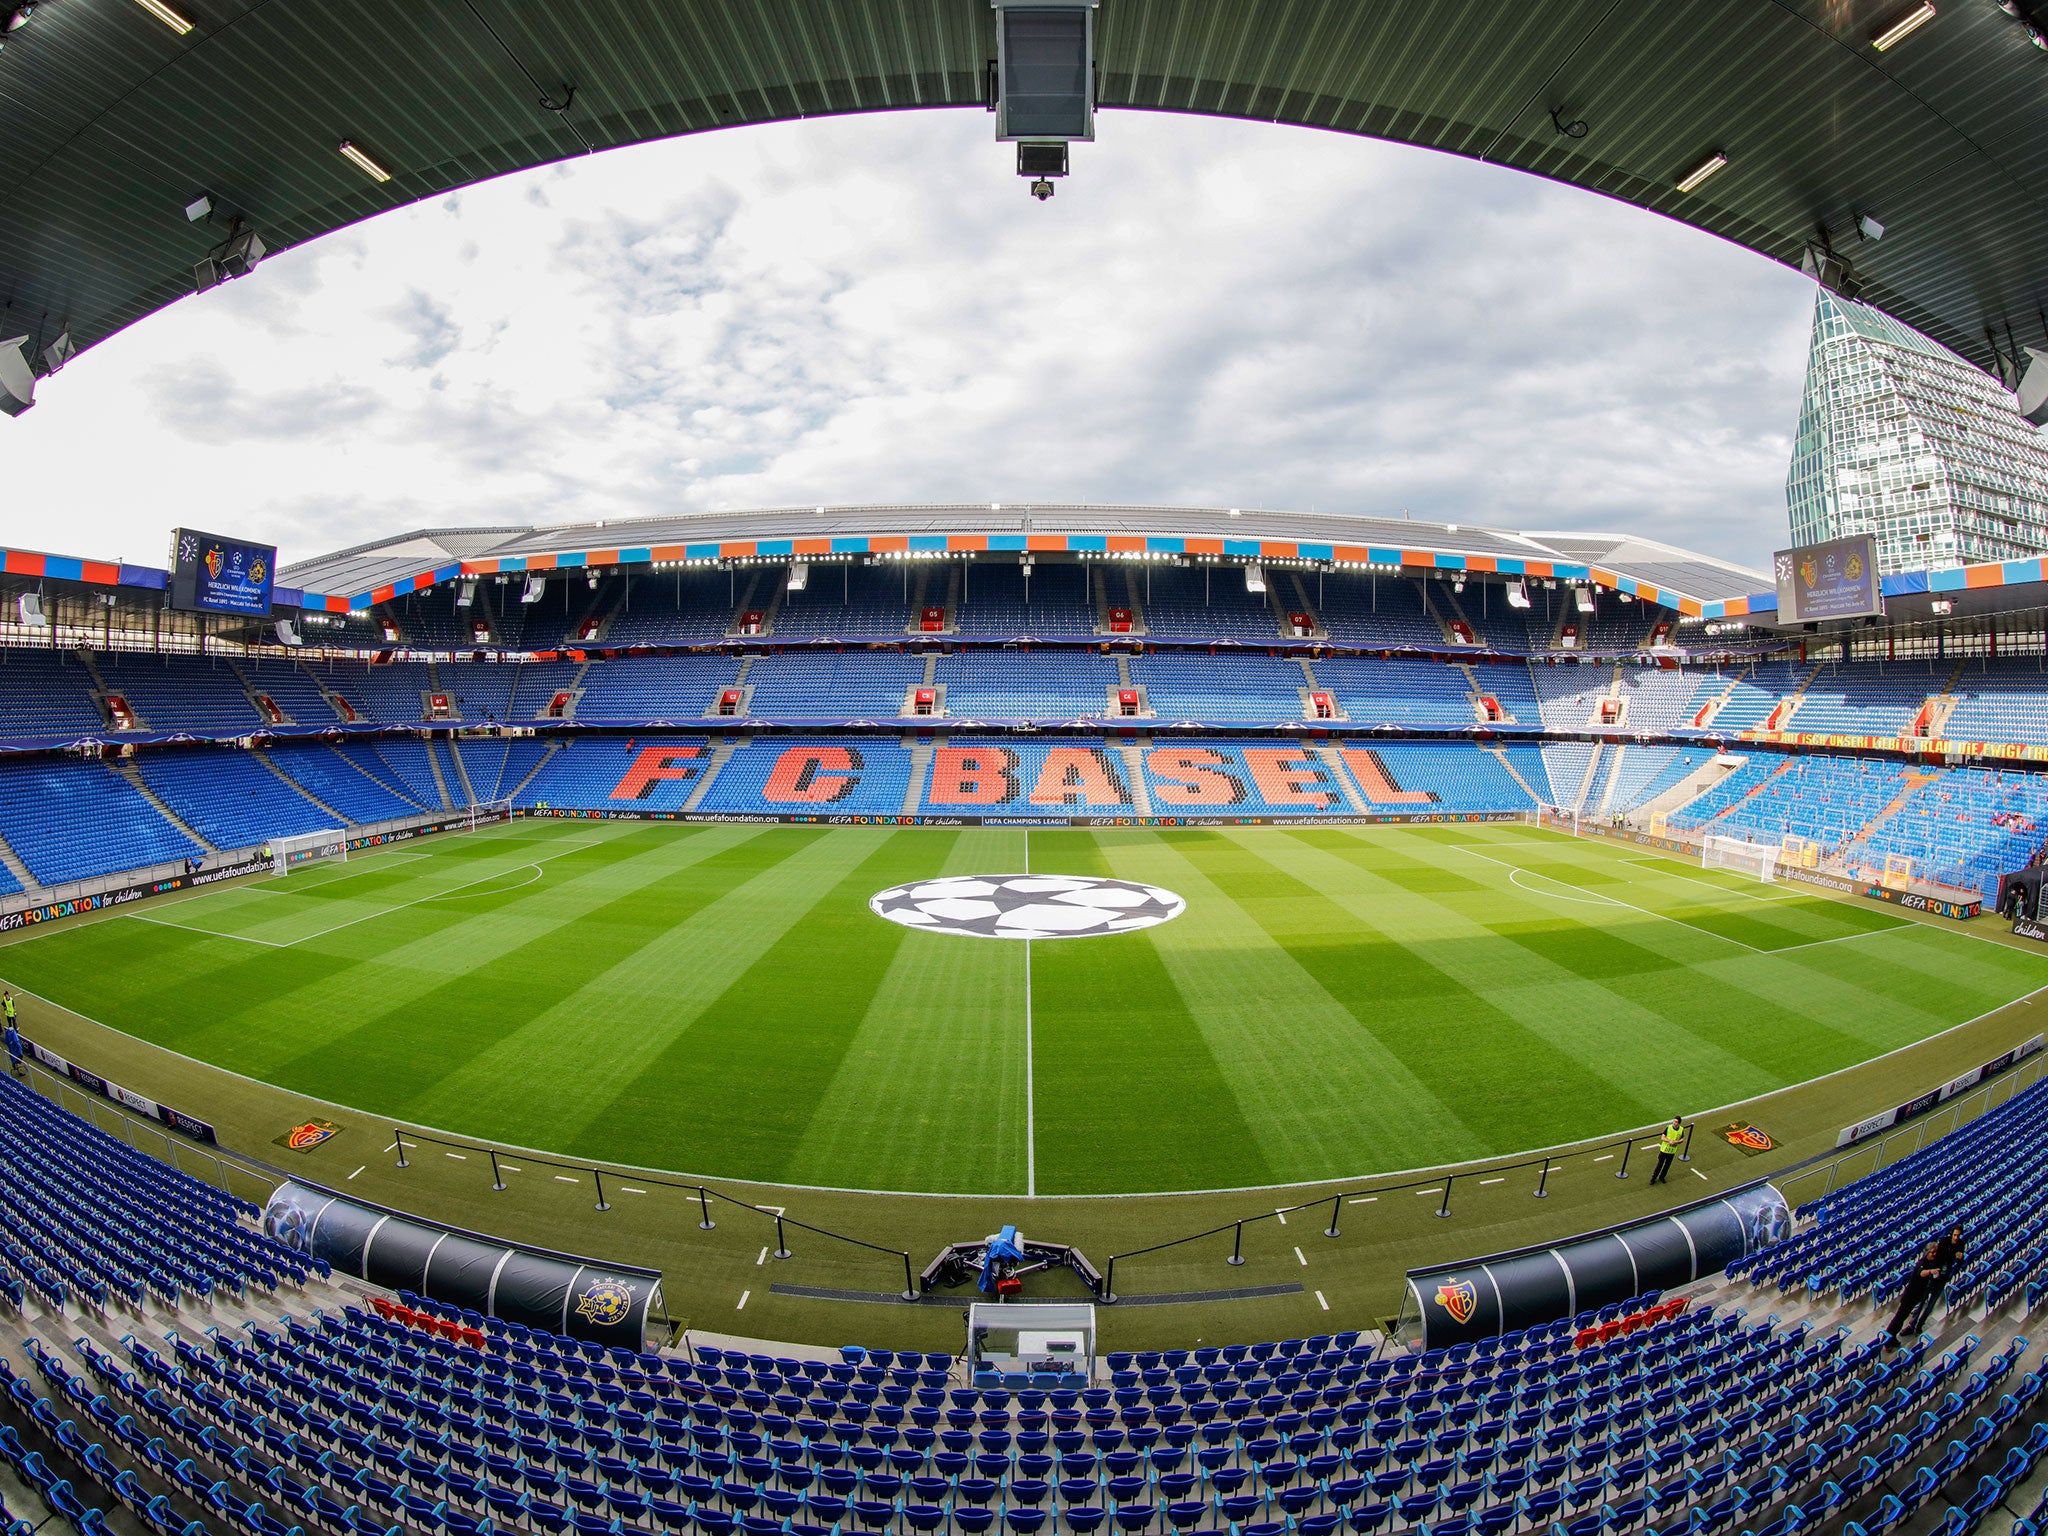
(1868, 227)
(18, 17)
(1691, 180)
(1942, 607)
(201, 207)
(363, 162)
(239, 254)
(166, 15)
(1904, 27)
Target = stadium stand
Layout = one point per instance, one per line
(44, 692)
(608, 773)
(1418, 693)
(1379, 610)
(645, 688)
(71, 820)
(800, 776)
(229, 797)
(693, 607)
(178, 692)
(1027, 685)
(1000, 601)
(1204, 604)
(333, 777)
(848, 600)
(1252, 689)
(836, 684)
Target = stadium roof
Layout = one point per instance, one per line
(377, 572)
(113, 121)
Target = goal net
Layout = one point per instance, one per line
(288, 853)
(484, 813)
(1719, 851)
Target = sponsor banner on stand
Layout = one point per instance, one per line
(2027, 928)
(1959, 911)
(1885, 1119)
(101, 900)
(92, 1082)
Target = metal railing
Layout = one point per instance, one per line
(698, 1190)
(1958, 1112)
(178, 1151)
(1488, 1174)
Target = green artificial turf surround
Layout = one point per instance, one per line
(716, 999)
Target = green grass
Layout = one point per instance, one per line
(718, 1000)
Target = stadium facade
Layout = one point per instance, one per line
(1901, 439)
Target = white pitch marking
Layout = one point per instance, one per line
(1322, 1303)
(1698, 1175)
(630, 1190)
(764, 1257)
(1030, 1085)
(780, 1210)
(1615, 902)
(1301, 1256)
(392, 1148)
(743, 1301)
(1515, 872)
(1724, 890)
(456, 1155)
(1493, 1181)
(563, 1178)
(359, 1170)
(1365, 1200)
(1605, 1158)
(1429, 1192)
(1282, 1215)
(508, 1168)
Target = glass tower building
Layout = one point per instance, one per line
(1902, 439)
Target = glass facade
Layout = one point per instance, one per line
(1901, 438)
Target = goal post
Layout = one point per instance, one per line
(288, 853)
(1720, 851)
(486, 812)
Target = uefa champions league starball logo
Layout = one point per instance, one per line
(1027, 906)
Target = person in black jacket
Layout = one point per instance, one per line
(1925, 1284)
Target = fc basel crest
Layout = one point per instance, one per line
(1460, 1298)
(1745, 1137)
(605, 1302)
(306, 1136)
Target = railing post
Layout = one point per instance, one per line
(1543, 1178)
(1445, 1208)
(1331, 1230)
(497, 1177)
(399, 1137)
(704, 1204)
(909, 1281)
(1626, 1148)
(602, 1203)
(1109, 1281)
(781, 1248)
(1237, 1246)
(1685, 1152)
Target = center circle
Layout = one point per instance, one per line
(1027, 906)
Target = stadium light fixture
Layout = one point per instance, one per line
(1518, 595)
(1692, 180)
(1904, 27)
(166, 15)
(362, 162)
(1942, 606)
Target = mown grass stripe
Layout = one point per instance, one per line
(937, 1059)
(1129, 1093)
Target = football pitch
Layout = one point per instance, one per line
(719, 999)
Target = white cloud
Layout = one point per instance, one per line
(872, 309)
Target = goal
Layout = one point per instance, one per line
(486, 812)
(1723, 852)
(288, 853)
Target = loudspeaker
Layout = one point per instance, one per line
(536, 589)
(465, 593)
(287, 632)
(30, 605)
(1827, 269)
(17, 383)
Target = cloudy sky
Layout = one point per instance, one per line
(872, 309)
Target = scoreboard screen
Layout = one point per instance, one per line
(1835, 580)
(210, 574)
